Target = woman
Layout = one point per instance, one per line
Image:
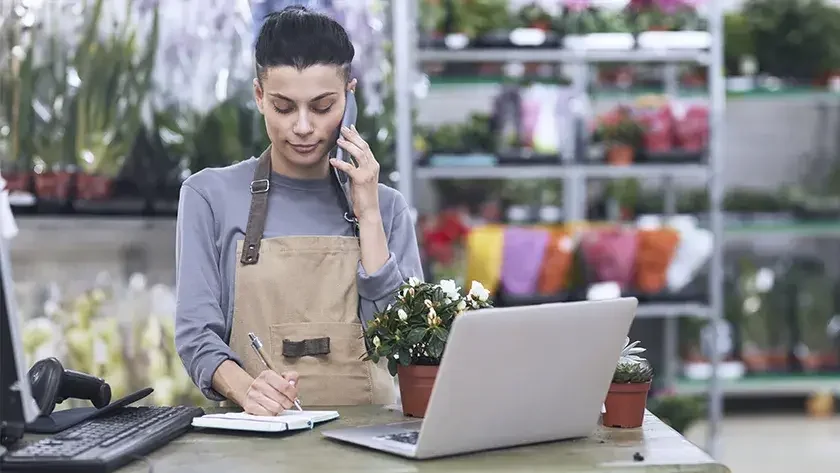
(265, 246)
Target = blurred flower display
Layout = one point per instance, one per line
(123, 333)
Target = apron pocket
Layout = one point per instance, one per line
(327, 356)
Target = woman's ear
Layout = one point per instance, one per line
(351, 86)
(258, 95)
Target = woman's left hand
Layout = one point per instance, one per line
(364, 178)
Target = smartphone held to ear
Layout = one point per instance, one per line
(349, 119)
(350, 113)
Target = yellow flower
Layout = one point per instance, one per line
(376, 341)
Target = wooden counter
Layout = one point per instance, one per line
(607, 450)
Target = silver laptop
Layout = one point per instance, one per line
(513, 376)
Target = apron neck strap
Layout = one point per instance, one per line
(259, 209)
(260, 186)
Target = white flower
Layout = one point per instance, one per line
(402, 315)
(478, 291)
(433, 318)
(462, 304)
(428, 303)
(449, 288)
(413, 282)
(376, 341)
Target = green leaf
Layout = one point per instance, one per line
(415, 335)
(392, 366)
(436, 347)
(441, 333)
(405, 357)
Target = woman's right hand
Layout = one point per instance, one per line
(271, 393)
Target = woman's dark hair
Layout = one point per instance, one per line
(298, 37)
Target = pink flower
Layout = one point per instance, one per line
(578, 5)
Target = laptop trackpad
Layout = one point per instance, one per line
(406, 433)
(409, 437)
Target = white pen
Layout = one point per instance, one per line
(257, 345)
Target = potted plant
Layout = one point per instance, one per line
(116, 78)
(627, 397)
(486, 22)
(621, 135)
(411, 334)
(533, 15)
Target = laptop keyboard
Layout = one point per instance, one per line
(404, 437)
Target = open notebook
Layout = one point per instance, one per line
(288, 420)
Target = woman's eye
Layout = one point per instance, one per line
(322, 109)
(282, 110)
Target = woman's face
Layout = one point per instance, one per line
(302, 110)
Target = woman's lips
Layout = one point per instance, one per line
(304, 149)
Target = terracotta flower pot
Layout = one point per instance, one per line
(829, 361)
(93, 186)
(620, 155)
(778, 360)
(416, 384)
(541, 25)
(53, 185)
(625, 405)
(811, 362)
(756, 362)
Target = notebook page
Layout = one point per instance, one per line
(285, 417)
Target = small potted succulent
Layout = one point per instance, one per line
(627, 398)
(411, 334)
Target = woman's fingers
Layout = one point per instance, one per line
(352, 137)
(343, 166)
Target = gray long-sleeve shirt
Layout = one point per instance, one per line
(212, 216)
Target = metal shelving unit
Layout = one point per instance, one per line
(575, 175)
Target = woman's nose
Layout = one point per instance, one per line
(303, 126)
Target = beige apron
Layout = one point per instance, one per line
(299, 296)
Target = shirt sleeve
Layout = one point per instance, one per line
(199, 321)
(377, 290)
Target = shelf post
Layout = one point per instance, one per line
(404, 45)
(716, 129)
(575, 183)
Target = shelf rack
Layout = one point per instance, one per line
(407, 55)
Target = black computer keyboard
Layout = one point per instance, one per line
(102, 445)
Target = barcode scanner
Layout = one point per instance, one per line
(52, 384)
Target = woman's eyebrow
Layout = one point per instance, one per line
(283, 97)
